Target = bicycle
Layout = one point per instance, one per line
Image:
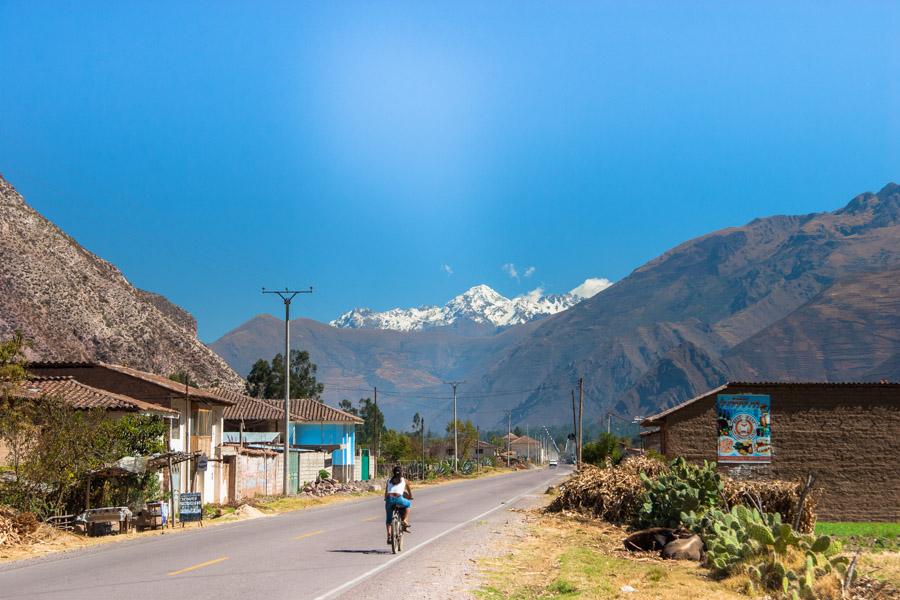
(396, 530)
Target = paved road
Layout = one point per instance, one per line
(318, 554)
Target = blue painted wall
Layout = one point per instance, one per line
(312, 434)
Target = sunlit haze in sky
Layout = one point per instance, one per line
(397, 154)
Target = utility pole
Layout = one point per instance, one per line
(508, 436)
(287, 295)
(527, 445)
(580, 419)
(455, 432)
(377, 429)
(608, 423)
(424, 461)
(575, 427)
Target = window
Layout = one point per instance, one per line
(201, 421)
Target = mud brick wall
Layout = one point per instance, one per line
(848, 435)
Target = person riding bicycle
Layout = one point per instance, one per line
(397, 492)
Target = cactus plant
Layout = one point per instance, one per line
(763, 546)
(684, 488)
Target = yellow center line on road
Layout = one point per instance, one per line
(303, 536)
(200, 566)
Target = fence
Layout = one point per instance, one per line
(419, 470)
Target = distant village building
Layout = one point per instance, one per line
(847, 434)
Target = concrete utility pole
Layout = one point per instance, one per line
(508, 436)
(528, 445)
(580, 419)
(377, 429)
(287, 295)
(455, 432)
(575, 427)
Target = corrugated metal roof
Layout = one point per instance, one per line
(319, 412)
(651, 420)
(159, 380)
(83, 396)
(250, 408)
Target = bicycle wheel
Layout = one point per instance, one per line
(395, 534)
(399, 536)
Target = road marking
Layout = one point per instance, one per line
(369, 519)
(200, 566)
(378, 569)
(303, 536)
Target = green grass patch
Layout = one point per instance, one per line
(867, 535)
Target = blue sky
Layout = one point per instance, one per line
(209, 149)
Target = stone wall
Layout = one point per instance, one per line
(848, 435)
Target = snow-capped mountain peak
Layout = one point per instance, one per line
(479, 304)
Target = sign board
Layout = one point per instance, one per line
(202, 462)
(189, 507)
(744, 428)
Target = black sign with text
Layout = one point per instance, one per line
(190, 508)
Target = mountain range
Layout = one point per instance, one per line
(72, 305)
(803, 297)
(479, 305)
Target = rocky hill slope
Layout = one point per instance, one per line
(73, 305)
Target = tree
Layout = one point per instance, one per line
(373, 423)
(467, 434)
(517, 431)
(12, 358)
(606, 446)
(183, 377)
(395, 446)
(266, 379)
(347, 406)
(417, 422)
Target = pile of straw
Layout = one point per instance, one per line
(17, 528)
(612, 494)
(777, 496)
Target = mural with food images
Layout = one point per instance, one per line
(744, 424)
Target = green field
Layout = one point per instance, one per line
(875, 536)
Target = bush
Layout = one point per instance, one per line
(323, 474)
(607, 447)
(684, 488)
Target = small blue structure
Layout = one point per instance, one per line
(321, 426)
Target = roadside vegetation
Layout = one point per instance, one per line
(607, 531)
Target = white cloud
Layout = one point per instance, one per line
(592, 286)
(510, 269)
(535, 294)
(529, 272)
(447, 269)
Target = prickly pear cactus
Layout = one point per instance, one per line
(684, 488)
(763, 546)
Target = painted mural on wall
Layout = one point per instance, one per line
(744, 423)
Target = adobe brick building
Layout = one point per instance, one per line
(848, 434)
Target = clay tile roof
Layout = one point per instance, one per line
(169, 384)
(319, 412)
(79, 395)
(526, 441)
(163, 382)
(250, 408)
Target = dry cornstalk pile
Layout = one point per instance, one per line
(18, 528)
(775, 496)
(612, 494)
